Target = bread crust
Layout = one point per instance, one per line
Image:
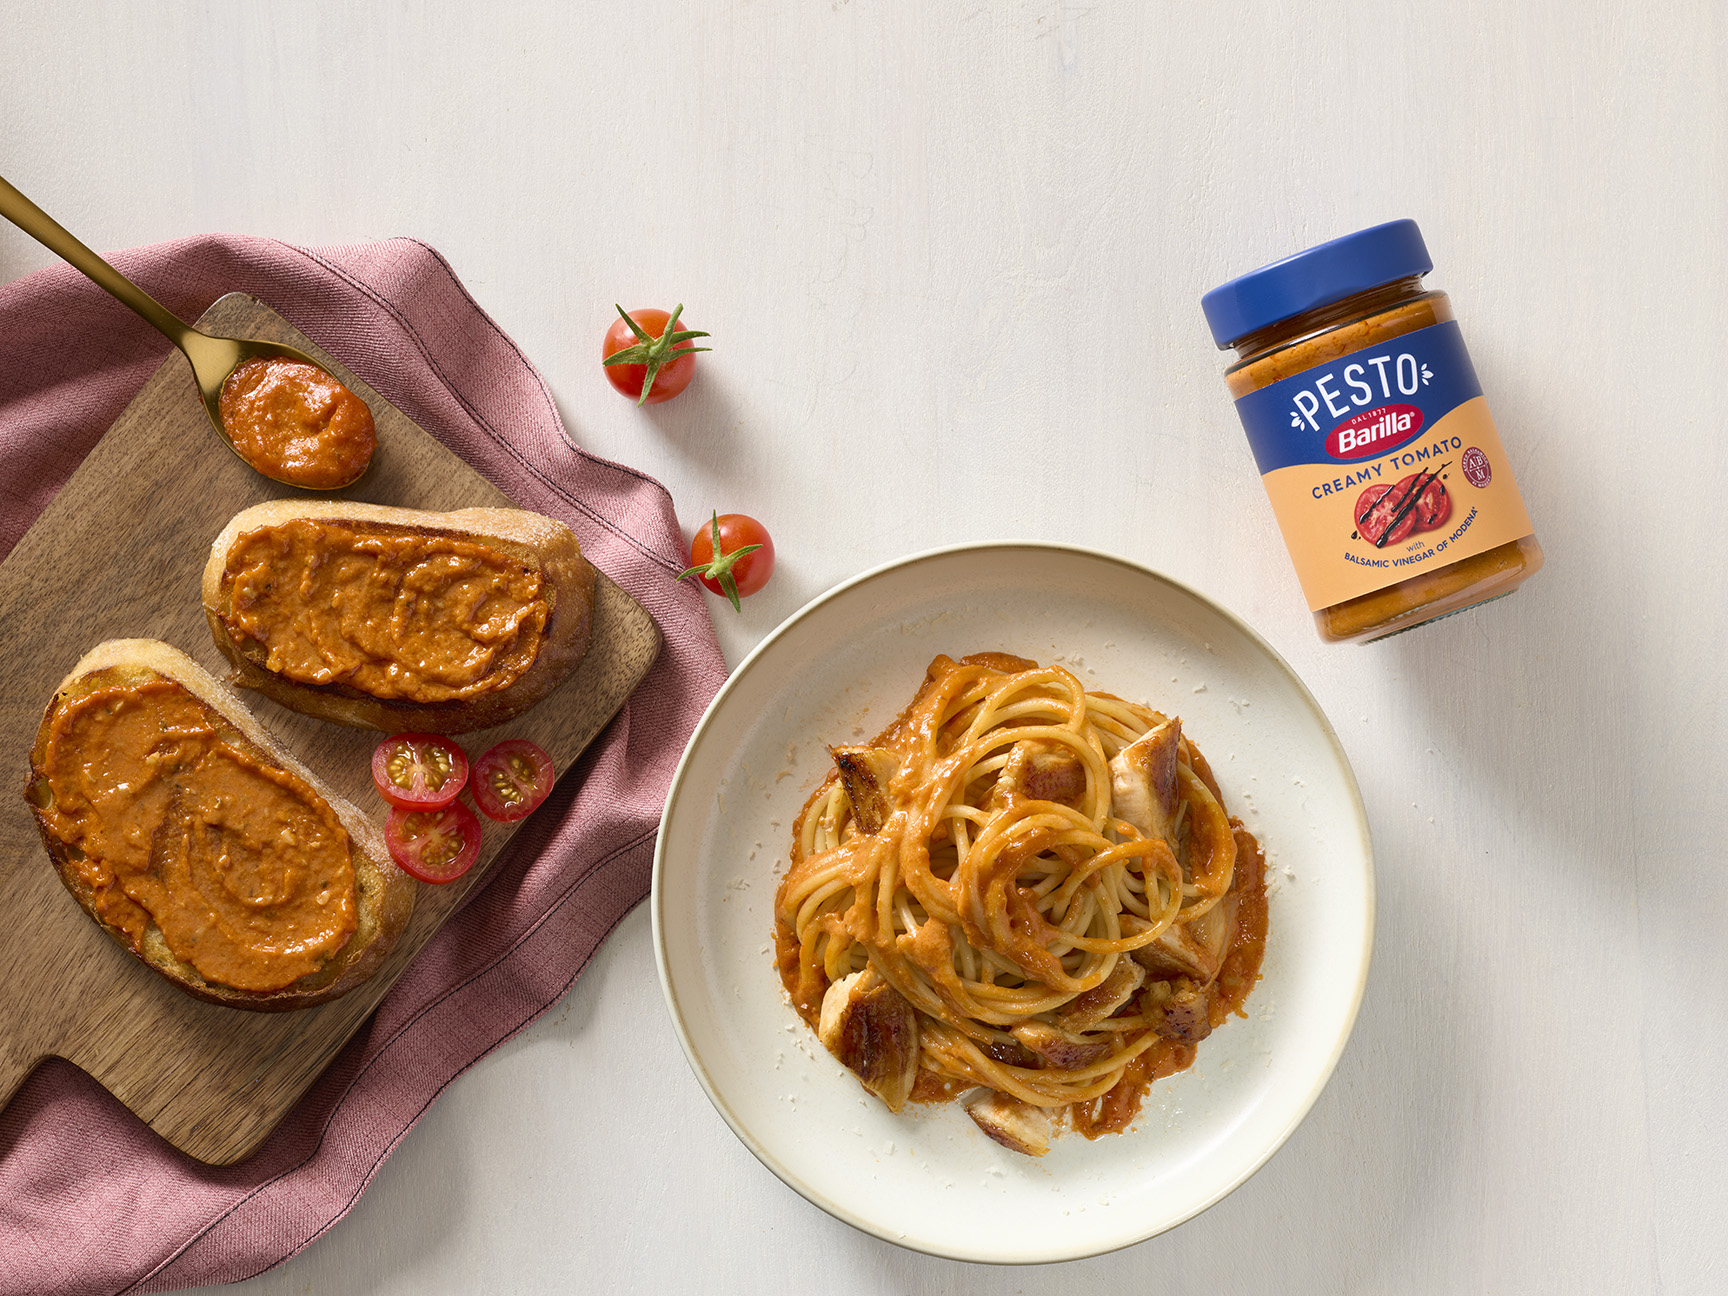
(568, 583)
(384, 894)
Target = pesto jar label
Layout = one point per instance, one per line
(1382, 464)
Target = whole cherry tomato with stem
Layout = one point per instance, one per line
(733, 555)
(648, 356)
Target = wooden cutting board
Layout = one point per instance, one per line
(120, 554)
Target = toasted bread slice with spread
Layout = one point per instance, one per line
(398, 619)
(194, 839)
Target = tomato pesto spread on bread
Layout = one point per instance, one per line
(198, 843)
(393, 612)
(393, 618)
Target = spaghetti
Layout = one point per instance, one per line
(1023, 889)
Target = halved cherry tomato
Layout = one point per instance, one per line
(746, 555)
(512, 779)
(435, 846)
(419, 771)
(648, 357)
(1377, 506)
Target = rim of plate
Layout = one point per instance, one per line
(815, 1196)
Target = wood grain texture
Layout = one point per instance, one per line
(120, 553)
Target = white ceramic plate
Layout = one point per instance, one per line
(837, 672)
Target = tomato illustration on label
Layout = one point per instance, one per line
(1389, 514)
(1378, 517)
(1433, 505)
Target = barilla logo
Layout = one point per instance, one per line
(1374, 432)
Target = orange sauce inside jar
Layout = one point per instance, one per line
(1292, 346)
(1327, 324)
(295, 423)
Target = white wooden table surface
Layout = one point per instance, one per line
(951, 254)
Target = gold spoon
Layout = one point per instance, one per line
(212, 358)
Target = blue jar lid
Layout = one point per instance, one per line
(1327, 273)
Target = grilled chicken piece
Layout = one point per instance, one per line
(1054, 775)
(1085, 1011)
(1060, 1048)
(1011, 1052)
(1039, 771)
(1193, 949)
(1017, 1126)
(1212, 930)
(1183, 1015)
(865, 773)
(1143, 781)
(1177, 953)
(869, 1026)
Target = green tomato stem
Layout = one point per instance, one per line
(719, 568)
(655, 353)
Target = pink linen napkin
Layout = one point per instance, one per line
(91, 1201)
